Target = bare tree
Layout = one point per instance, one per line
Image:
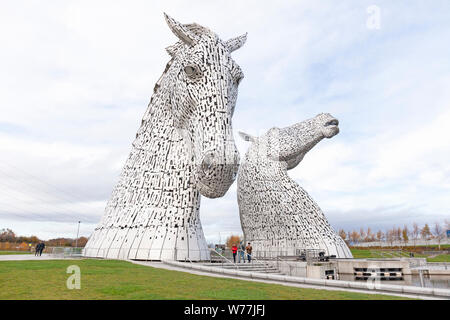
(380, 235)
(362, 234)
(342, 234)
(438, 233)
(7, 235)
(355, 236)
(390, 236)
(369, 235)
(415, 232)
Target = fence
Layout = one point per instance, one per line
(66, 252)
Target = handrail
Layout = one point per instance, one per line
(256, 260)
(235, 265)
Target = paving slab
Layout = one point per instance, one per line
(29, 257)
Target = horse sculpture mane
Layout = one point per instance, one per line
(184, 148)
(278, 216)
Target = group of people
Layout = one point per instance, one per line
(242, 250)
(39, 248)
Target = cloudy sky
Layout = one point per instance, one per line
(76, 78)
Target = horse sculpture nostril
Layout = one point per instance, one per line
(208, 162)
(333, 122)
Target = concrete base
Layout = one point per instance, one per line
(348, 266)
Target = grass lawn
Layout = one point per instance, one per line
(14, 252)
(440, 258)
(366, 253)
(112, 279)
(362, 253)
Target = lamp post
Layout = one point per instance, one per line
(78, 231)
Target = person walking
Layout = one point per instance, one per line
(41, 248)
(242, 251)
(234, 249)
(38, 247)
(249, 249)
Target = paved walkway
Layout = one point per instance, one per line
(25, 257)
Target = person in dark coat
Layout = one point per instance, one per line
(38, 248)
(41, 248)
(249, 249)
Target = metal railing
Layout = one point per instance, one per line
(238, 265)
(67, 252)
(278, 259)
(252, 258)
(224, 258)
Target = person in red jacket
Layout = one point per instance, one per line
(234, 249)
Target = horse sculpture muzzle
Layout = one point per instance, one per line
(217, 171)
(330, 127)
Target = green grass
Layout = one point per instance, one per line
(14, 252)
(112, 279)
(363, 254)
(366, 253)
(440, 258)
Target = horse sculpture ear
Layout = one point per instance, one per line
(235, 43)
(246, 136)
(180, 30)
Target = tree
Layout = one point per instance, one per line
(34, 239)
(380, 235)
(81, 242)
(398, 234)
(362, 234)
(342, 234)
(425, 232)
(438, 233)
(390, 236)
(355, 236)
(7, 235)
(233, 239)
(415, 232)
(369, 235)
(405, 233)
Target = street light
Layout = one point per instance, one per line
(76, 240)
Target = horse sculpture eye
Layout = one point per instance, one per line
(190, 70)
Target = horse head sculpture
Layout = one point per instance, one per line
(205, 82)
(184, 148)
